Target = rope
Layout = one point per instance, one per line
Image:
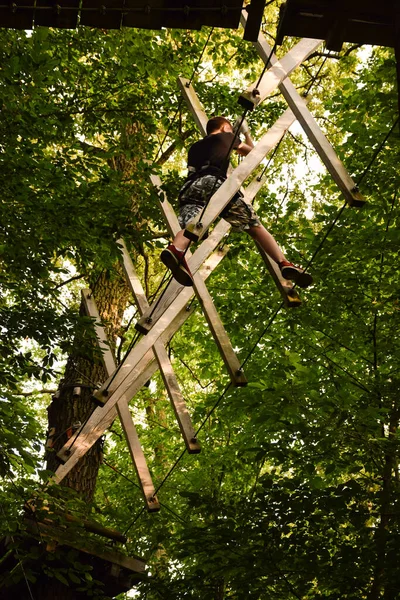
(249, 354)
(181, 99)
(331, 226)
(136, 485)
(201, 56)
(313, 80)
(375, 155)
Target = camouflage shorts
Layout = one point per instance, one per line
(194, 196)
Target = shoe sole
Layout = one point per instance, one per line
(177, 269)
(301, 279)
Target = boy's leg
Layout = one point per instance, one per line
(173, 256)
(267, 242)
(289, 270)
(243, 218)
(180, 241)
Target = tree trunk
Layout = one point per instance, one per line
(111, 296)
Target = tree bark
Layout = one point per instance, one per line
(111, 296)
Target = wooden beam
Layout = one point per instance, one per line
(197, 227)
(281, 69)
(210, 312)
(324, 149)
(134, 564)
(193, 104)
(164, 363)
(131, 436)
(107, 357)
(255, 11)
(102, 417)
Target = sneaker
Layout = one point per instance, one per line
(175, 261)
(295, 274)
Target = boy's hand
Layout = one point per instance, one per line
(244, 128)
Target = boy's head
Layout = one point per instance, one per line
(217, 124)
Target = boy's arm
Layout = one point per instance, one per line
(245, 147)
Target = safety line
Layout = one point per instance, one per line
(136, 485)
(375, 155)
(181, 99)
(250, 353)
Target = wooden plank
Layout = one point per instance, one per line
(210, 312)
(357, 22)
(198, 226)
(324, 149)
(193, 104)
(132, 438)
(134, 564)
(104, 416)
(174, 392)
(107, 357)
(283, 68)
(137, 456)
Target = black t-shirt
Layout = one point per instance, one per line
(211, 153)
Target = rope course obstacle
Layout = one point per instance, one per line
(166, 315)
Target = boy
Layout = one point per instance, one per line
(208, 162)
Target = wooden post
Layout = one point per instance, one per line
(298, 105)
(164, 364)
(102, 417)
(132, 438)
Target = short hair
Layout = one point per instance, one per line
(216, 123)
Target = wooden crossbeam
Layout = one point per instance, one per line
(132, 378)
(151, 317)
(164, 363)
(278, 72)
(132, 438)
(324, 149)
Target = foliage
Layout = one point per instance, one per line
(295, 492)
